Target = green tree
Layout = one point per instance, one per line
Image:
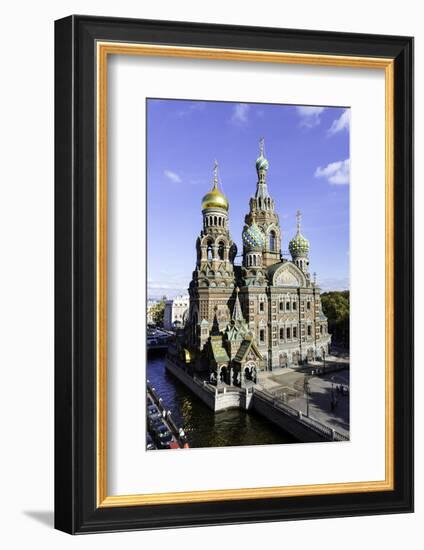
(158, 311)
(337, 309)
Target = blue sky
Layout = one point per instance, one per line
(308, 152)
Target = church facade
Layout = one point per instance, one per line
(263, 314)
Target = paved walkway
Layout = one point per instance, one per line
(326, 404)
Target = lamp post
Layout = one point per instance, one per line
(306, 389)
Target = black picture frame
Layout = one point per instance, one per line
(76, 510)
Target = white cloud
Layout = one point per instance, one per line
(240, 113)
(331, 284)
(190, 107)
(174, 177)
(310, 116)
(340, 124)
(167, 285)
(337, 173)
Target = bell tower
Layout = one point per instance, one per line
(212, 286)
(262, 212)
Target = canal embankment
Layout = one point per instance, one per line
(292, 421)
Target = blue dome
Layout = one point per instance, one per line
(253, 237)
(262, 163)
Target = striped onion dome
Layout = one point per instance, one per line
(262, 163)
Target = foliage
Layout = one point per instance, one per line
(337, 309)
(157, 312)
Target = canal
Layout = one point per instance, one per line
(203, 427)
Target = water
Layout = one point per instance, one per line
(203, 427)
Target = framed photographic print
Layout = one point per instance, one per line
(234, 274)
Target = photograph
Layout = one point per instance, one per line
(248, 233)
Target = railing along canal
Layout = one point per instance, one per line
(315, 425)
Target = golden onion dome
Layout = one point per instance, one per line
(215, 199)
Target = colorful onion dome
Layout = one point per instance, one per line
(253, 237)
(215, 199)
(261, 162)
(299, 245)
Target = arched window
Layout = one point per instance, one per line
(254, 260)
(215, 220)
(272, 240)
(209, 251)
(221, 249)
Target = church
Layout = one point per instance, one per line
(261, 315)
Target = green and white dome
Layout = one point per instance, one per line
(262, 163)
(253, 238)
(299, 246)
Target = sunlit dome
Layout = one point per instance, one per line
(215, 198)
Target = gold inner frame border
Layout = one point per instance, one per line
(103, 50)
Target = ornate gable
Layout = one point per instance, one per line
(289, 275)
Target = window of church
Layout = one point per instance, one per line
(261, 306)
(294, 332)
(294, 306)
(321, 329)
(288, 306)
(221, 248)
(288, 332)
(309, 330)
(262, 335)
(272, 240)
(281, 306)
(308, 305)
(281, 334)
(209, 251)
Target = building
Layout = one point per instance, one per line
(263, 314)
(175, 313)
